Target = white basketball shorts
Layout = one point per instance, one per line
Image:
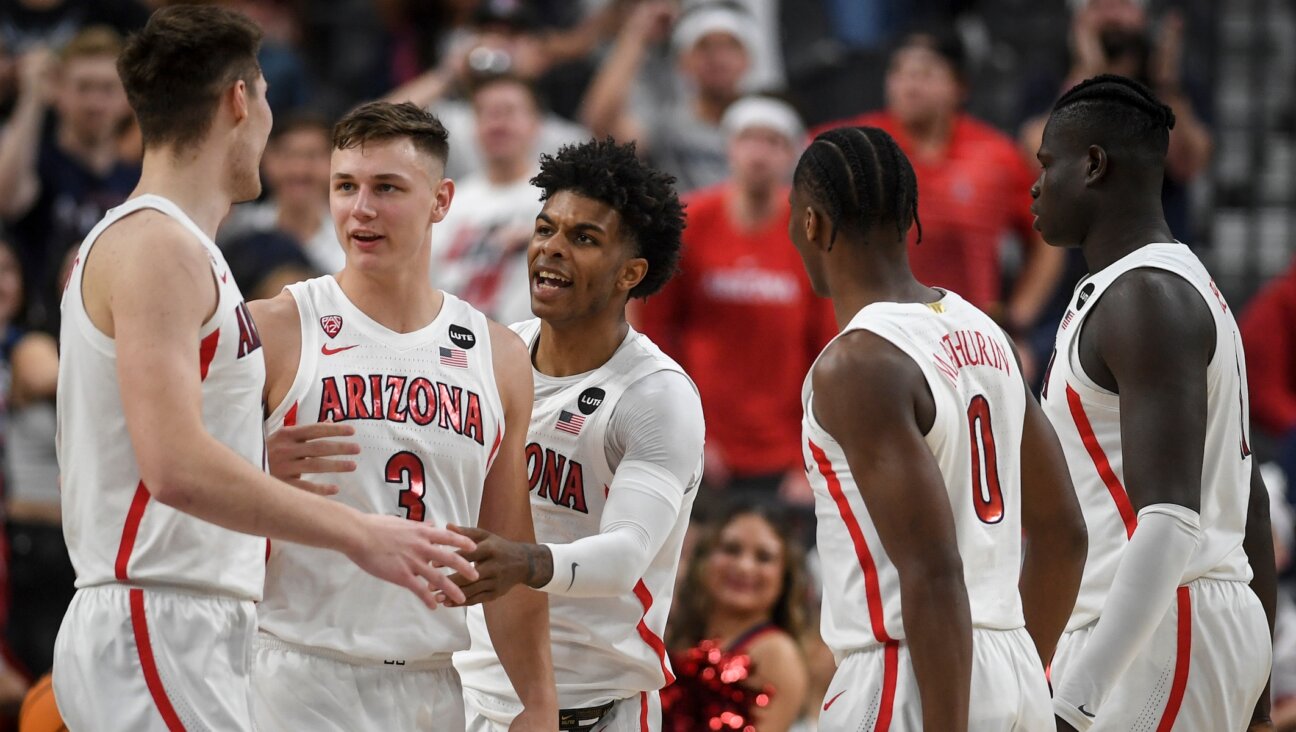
(875, 690)
(136, 660)
(296, 688)
(1202, 671)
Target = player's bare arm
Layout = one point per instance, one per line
(154, 307)
(519, 620)
(1149, 339)
(873, 398)
(296, 450)
(1258, 544)
(1056, 538)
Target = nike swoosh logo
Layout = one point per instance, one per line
(224, 276)
(1085, 711)
(835, 698)
(331, 351)
(573, 579)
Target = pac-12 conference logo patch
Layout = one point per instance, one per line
(590, 399)
(462, 337)
(332, 325)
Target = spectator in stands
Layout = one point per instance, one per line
(29, 24)
(743, 595)
(296, 171)
(13, 680)
(265, 262)
(1269, 335)
(505, 39)
(973, 185)
(41, 578)
(289, 84)
(479, 250)
(62, 174)
(1114, 37)
(681, 136)
(741, 317)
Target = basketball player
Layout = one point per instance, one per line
(160, 438)
(439, 398)
(614, 451)
(928, 457)
(1147, 391)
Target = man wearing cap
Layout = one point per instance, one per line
(741, 317)
(973, 185)
(712, 45)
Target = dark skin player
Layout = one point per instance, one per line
(1105, 199)
(880, 411)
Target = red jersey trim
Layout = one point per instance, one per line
(134, 515)
(1183, 658)
(207, 352)
(1114, 487)
(872, 591)
(649, 637)
(139, 623)
(890, 672)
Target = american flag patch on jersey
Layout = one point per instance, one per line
(454, 357)
(1067, 320)
(570, 422)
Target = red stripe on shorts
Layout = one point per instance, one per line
(1114, 487)
(890, 671)
(1183, 657)
(643, 711)
(134, 515)
(649, 637)
(140, 625)
(872, 591)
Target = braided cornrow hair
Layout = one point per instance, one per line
(861, 177)
(1119, 111)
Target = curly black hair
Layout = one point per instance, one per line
(644, 197)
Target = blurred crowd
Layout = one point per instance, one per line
(722, 94)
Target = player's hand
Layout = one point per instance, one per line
(410, 553)
(501, 565)
(308, 449)
(532, 721)
(1062, 726)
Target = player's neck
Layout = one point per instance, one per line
(872, 272)
(1117, 234)
(402, 301)
(571, 349)
(186, 183)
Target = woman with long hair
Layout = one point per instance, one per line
(734, 638)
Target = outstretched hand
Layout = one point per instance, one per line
(309, 449)
(410, 554)
(501, 564)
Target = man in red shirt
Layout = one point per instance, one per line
(1269, 339)
(740, 316)
(973, 186)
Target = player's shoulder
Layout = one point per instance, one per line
(864, 363)
(1147, 306)
(146, 232)
(275, 312)
(506, 344)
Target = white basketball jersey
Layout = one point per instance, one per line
(976, 439)
(115, 532)
(1087, 420)
(604, 648)
(428, 419)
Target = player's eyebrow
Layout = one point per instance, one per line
(578, 226)
(343, 175)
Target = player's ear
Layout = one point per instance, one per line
(817, 228)
(1095, 165)
(632, 273)
(238, 94)
(444, 196)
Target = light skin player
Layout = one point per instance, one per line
(386, 196)
(1100, 190)
(881, 409)
(154, 306)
